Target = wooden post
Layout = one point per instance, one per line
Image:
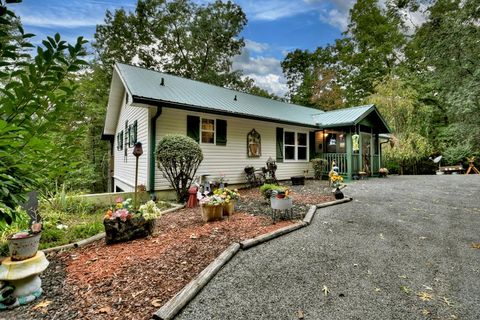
(136, 185)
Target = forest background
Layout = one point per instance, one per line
(424, 79)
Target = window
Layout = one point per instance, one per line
(132, 134)
(120, 140)
(211, 131)
(295, 146)
(208, 131)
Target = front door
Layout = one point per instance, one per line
(366, 152)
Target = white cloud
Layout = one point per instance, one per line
(265, 71)
(68, 14)
(333, 12)
(50, 22)
(255, 46)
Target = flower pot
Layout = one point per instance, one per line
(23, 248)
(212, 212)
(229, 208)
(117, 230)
(281, 203)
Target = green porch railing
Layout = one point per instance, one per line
(375, 163)
(339, 158)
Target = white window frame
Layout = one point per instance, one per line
(214, 131)
(296, 145)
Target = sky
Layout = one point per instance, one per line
(274, 28)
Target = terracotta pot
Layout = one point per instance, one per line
(23, 248)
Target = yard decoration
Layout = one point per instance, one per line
(123, 223)
(19, 280)
(178, 158)
(336, 182)
(383, 172)
(471, 166)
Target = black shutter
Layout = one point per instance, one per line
(193, 128)
(311, 144)
(221, 136)
(135, 125)
(279, 144)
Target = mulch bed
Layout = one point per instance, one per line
(132, 280)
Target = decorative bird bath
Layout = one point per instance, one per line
(20, 283)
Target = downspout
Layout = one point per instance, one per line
(153, 142)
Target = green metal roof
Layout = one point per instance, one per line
(146, 86)
(348, 116)
(143, 83)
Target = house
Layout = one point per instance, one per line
(234, 129)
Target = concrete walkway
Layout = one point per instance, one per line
(401, 250)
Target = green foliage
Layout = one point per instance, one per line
(345, 72)
(66, 219)
(319, 166)
(180, 37)
(266, 189)
(35, 95)
(178, 157)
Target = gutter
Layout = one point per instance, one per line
(153, 142)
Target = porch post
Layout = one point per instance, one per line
(360, 150)
(372, 155)
(348, 146)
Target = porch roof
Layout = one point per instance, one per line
(351, 117)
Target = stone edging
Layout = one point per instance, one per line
(170, 309)
(98, 236)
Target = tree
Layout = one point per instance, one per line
(175, 36)
(178, 158)
(408, 120)
(34, 96)
(445, 54)
(344, 73)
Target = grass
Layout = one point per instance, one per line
(66, 219)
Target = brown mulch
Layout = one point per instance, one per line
(132, 280)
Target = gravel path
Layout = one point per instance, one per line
(403, 249)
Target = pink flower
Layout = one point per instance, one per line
(119, 200)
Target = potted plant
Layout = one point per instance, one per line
(336, 182)
(230, 198)
(212, 208)
(24, 244)
(124, 223)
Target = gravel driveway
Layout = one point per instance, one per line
(403, 249)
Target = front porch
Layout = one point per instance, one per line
(354, 150)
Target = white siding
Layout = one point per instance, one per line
(230, 160)
(125, 166)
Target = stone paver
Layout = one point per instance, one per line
(401, 240)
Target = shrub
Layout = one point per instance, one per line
(178, 157)
(318, 165)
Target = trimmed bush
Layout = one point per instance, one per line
(318, 165)
(178, 157)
